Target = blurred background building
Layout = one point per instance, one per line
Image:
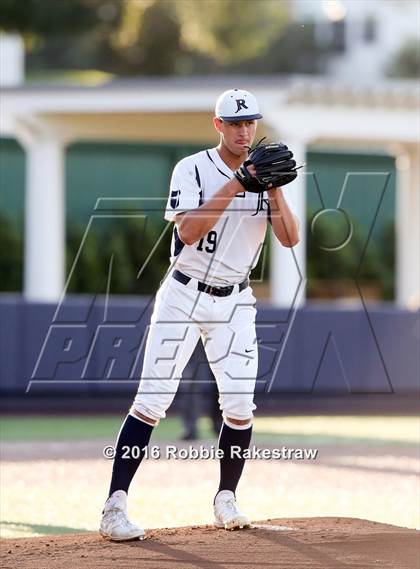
(100, 98)
(366, 41)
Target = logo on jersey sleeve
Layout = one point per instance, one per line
(240, 103)
(175, 198)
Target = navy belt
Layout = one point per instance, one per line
(214, 290)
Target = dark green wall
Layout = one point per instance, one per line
(12, 181)
(12, 192)
(96, 170)
(367, 175)
(126, 179)
(112, 170)
(368, 200)
(109, 170)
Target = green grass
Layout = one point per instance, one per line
(59, 428)
(311, 430)
(318, 430)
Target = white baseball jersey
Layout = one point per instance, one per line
(231, 249)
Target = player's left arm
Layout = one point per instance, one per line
(284, 223)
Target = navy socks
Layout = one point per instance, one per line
(231, 467)
(133, 433)
(136, 433)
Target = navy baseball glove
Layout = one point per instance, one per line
(274, 167)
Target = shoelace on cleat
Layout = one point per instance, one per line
(229, 507)
(118, 516)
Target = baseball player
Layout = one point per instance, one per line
(220, 201)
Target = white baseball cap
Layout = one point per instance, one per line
(237, 105)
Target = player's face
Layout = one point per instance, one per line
(236, 136)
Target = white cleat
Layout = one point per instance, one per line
(115, 524)
(226, 512)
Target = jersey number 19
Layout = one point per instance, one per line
(211, 238)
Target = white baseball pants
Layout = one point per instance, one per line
(226, 325)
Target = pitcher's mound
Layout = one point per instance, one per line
(299, 543)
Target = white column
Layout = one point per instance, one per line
(288, 266)
(408, 228)
(44, 221)
(12, 60)
(44, 251)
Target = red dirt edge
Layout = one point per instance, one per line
(310, 543)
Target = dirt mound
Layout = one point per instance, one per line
(311, 543)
